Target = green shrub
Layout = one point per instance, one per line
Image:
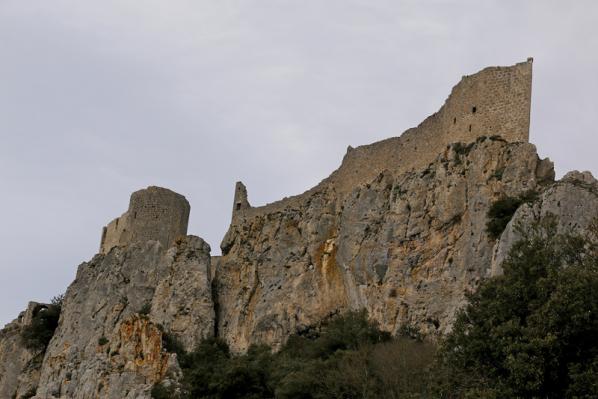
(501, 212)
(532, 332)
(345, 332)
(38, 334)
(172, 344)
(57, 300)
(463, 149)
(345, 357)
(145, 309)
(161, 391)
(102, 341)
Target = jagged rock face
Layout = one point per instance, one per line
(406, 247)
(574, 202)
(109, 340)
(19, 366)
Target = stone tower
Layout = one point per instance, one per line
(494, 101)
(154, 213)
(240, 201)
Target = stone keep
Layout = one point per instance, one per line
(154, 213)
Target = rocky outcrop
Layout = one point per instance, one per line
(405, 246)
(19, 366)
(109, 342)
(573, 201)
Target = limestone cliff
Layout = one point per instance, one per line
(109, 343)
(573, 201)
(405, 246)
(19, 366)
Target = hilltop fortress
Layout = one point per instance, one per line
(493, 102)
(372, 220)
(398, 230)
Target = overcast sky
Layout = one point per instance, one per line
(99, 99)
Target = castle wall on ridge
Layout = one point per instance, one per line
(493, 102)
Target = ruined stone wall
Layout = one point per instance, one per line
(493, 102)
(154, 213)
(240, 201)
(114, 233)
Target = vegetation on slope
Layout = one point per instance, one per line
(348, 357)
(501, 212)
(38, 334)
(531, 333)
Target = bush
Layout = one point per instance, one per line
(463, 149)
(501, 212)
(172, 344)
(498, 173)
(102, 341)
(532, 332)
(38, 334)
(211, 371)
(403, 367)
(347, 356)
(145, 309)
(161, 391)
(57, 300)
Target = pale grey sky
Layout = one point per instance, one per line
(101, 98)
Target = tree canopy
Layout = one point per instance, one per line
(532, 332)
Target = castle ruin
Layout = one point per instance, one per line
(240, 201)
(154, 213)
(495, 101)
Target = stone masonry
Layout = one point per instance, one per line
(154, 213)
(493, 102)
(240, 201)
